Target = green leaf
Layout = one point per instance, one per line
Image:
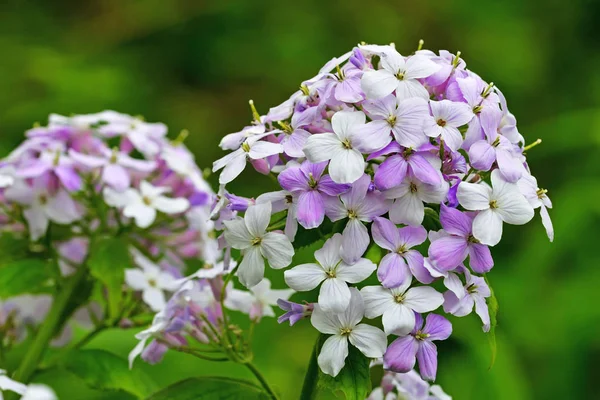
(211, 388)
(103, 370)
(492, 302)
(108, 260)
(306, 237)
(431, 220)
(31, 275)
(354, 380)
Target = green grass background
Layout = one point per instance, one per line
(194, 65)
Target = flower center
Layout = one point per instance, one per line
(256, 241)
(391, 120)
(147, 200)
(496, 142)
(246, 147)
(472, 288)
(330, 273)
(43, 199)
(289, 199)
(304, 90)
(399, 298)
(472, 239)
(402, 249)
(345, 331)
(541, 193)
(346, 143)
(312, 183)
(413, 187)
(287, 128)
(113, 156)
(477, 109)
(441, 122)
(352, 214)
(400, 75)
(152, 282)
(408, 152)
(421, 335)
(493, 204)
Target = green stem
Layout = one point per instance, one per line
(309, 387)
(49, 328)
(262, 380)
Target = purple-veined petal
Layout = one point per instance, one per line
(391, 172)
(401, 354)
(385, 234)
(427, 357)
(480, 258)
(355, 241)
(438, 327)
(310, 209)
(392, 270)
(448, 252)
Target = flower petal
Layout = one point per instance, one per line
(304, 277)
(401, 354)
(252, 268)
(333, 354)
(334, 295)
(371, 341)
(277, 249)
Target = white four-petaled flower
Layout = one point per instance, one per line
(503, 202)
(344, 327)
(152, 281)
(398, 305)
(142, 205)
(250, 235)
(334, 295)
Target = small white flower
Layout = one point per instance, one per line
(342, 147)
(409, 197)
(43, 206)
(344, 327)
(142, 205)
(398, 74)
(259, 301)
(334, 295)
(398, 305)
(252, 148)
(537, 198)
(151, 280)
(503, 202)
(159, 323)
(31, 392)
(250, 235)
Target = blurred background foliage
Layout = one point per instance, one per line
(194, 65)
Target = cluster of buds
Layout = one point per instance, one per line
(402, 167)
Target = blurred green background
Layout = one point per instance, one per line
(195, 64)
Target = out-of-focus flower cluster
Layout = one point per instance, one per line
(87, 177)
(415, 160)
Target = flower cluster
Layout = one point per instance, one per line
(84, 178)
(403, 167)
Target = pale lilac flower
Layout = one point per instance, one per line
(397, 267)
(406, 161)
(457, 242)
(252, 148)
(146, 137)
(53, 160)
(497, 148)
(344, 327)
(238, 203)
(448, 116)
(43, 206)
(115, 166)
(411, 386)
(311, 187)
(343, 147)
(476, 291)
(358, 205)
(345, 85)
(294, 136)
(283, 200)
(335, 274)
(250, 235)
(402, 354)
(143, 204)
(259, 301)
(400, 75)
(537, 198)
(233, 141)
(503, 202)
(151, 280)
(398, 305)
(409, 196)
(404, 120)
(294, 311)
